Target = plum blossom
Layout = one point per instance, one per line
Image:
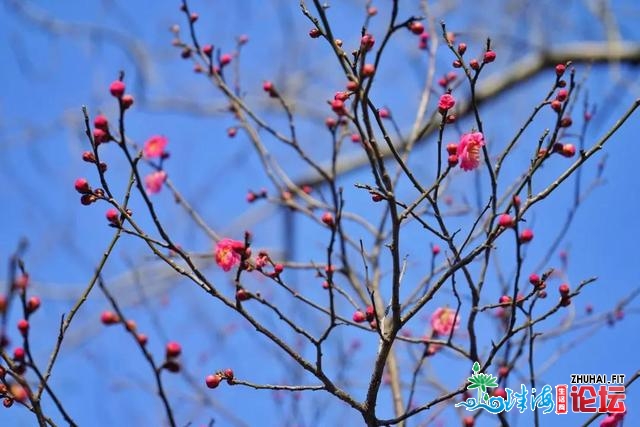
(447, 101)
(444, 320)
(262, 260)
(153, 182)
(613, 420)
(228, 253)
(469, 150)
(154, 146)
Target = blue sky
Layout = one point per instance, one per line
(49, 76)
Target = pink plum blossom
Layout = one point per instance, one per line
(469, 150)
(154, 146)
(444, 320)
(228, 253)
(153, 182)
(613, 420)
(447, 101)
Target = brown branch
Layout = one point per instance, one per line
(495, 85)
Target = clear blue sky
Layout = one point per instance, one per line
(48, 77)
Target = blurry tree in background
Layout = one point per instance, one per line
(314, 213)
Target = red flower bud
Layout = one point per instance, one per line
(213, 381)
(127, 101)
(225, 59)
(242, 295)
(113, 216)
(18, 354)
(338, 107)
(117, 88)
(368, 70)
(506, 221)
(367, 41)
(23, 326)
(314, 33)
(489, 56)
(228, 374)
(82, 186)
(101, 122)
(109, 317)
(562, 95)
(500, 392)
(526, 235)
(327, 218)
(330, 123)
(142, 339)
(416, 27)
(88, 157)
(173, 349)
(568, 150)
(33, 304)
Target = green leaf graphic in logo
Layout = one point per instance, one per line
(481, 382)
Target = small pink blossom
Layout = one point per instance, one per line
(469, 150)
(609, 421)
(228, 253)
(262, 260)
(153, 182)
(444, 320)
(447, 101)
(613, 420)
(154, 147)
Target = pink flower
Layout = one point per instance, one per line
(154, 147)
(154, 181)
(469, 150)
(444, 320)
(228, 253)
(609, 421)
(262, 260)
(612, 420)
(447, 101)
